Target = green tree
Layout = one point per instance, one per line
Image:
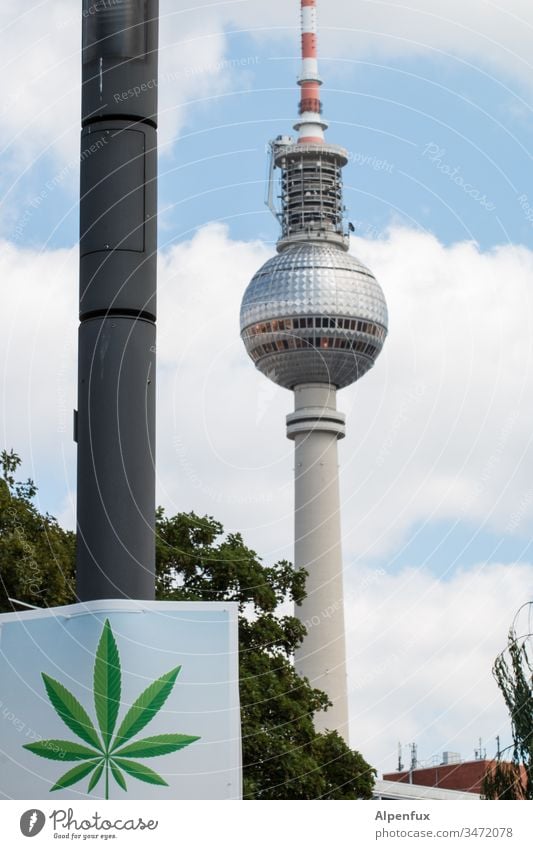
(513, 672)
(503, 780)
(36, 554)
(283, 756)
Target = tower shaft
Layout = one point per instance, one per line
(115, 427)
(315, 427)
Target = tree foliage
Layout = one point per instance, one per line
(283, 756)
(36, 554)
(503, 780)
(513, 673)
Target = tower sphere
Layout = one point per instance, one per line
(313, 314)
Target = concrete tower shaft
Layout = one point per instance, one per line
(315, 427)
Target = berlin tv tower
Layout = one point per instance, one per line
(314, 319)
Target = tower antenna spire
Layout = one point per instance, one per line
(310, 124)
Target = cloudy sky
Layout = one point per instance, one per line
(433, 104)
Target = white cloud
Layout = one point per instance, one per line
(40, 60)
(218, 421)
(38, 359)
(440, 429)
(487, 34)
(420, 654)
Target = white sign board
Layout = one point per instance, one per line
(120, 700)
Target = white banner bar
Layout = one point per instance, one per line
(240, 826)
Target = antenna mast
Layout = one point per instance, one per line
(310, 124)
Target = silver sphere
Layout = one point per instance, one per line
(313, 314)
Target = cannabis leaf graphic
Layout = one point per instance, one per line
(106, 753)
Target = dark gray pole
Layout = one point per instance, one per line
(115, 423)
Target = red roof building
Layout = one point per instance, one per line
(466, 776)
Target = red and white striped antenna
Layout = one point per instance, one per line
(310, 125)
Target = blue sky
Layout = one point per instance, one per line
(407, 124)
(435, 112)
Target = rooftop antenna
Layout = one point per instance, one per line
(400, 763)
(480, 753)
(414, 761)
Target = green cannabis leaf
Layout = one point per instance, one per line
(107, 753)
